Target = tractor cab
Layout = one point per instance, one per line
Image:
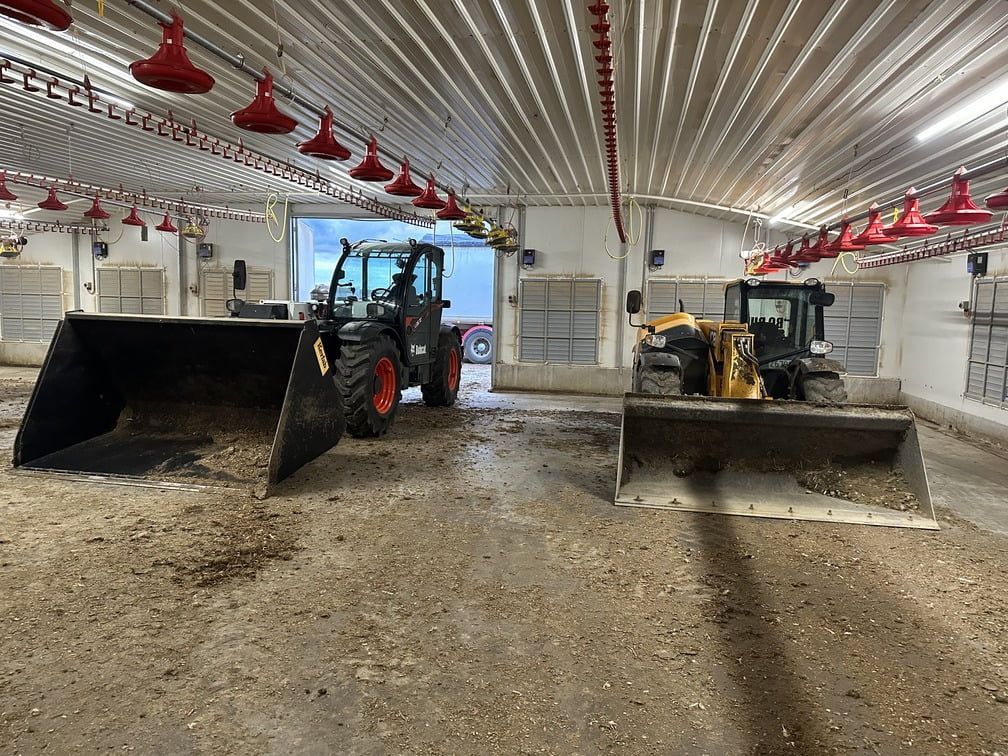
(390, 285)
(786, 321)
(383, 281)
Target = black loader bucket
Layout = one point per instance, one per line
(783, 459)
(181, 401)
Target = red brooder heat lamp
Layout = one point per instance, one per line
(133, 219)
(911, 222)
(959, 209)
(404, 186)
(6, 195)
(166, 225)
(370, 168)
(429, 200)
(822, 248)
(874, 233)
(96, 211)
(262, 114)
(324, 145)
(451, 211)
(998, 201)
(52, 202)
(44, 13)
(170, 69)
(844, 242)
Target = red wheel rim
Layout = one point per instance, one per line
(454, 369)
(384, 386)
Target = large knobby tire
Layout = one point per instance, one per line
(446, 373)
(824, 389)
(369, 377)
(478, 345)
(659, 381)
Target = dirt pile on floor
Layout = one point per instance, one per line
(865, 483)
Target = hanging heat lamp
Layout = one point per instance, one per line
(451, 211)
(429, 199)
(52, 202)
(192, 230)
(874, 233)
(324, 145)
(370, 168)
(959, 209)
(133, 219)
(844, 242)
(166, 225)
(911, 222)
(262, 114)
(998, 201)
(404, 186)
(44, 13)
(96, 211)
(805, 252)
(6, 195)
(170, 69)
(822, 248)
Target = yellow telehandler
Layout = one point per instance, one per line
(749, 417)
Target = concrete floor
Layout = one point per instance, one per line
(465, 585)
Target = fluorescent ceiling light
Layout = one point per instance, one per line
(963, 114)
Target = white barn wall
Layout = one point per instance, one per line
(232, 240)
(569, 242)
(929, 338)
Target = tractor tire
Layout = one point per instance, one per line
(656, 381)
(368, 376)
(478, 345)
(446, 375)
(824, 389)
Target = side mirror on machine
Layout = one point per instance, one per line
(822, 298)
(239, 275)
(634, 300)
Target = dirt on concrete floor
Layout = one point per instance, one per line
(465, 585)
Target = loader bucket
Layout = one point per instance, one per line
(181, 401)
(783, 459)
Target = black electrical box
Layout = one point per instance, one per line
(99, 249)
(657, 258)
(528, 257)
(976, 263)
(204, 250)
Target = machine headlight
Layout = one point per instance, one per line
(655, 339)
(811, 282)
(820, 347)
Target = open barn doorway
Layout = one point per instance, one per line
(467, 280)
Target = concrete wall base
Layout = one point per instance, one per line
(872, 390)
(20, 353)
(573, 379)
(957, 420)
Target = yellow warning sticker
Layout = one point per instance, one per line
(320, 355)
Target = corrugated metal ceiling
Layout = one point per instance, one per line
(775, 105)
